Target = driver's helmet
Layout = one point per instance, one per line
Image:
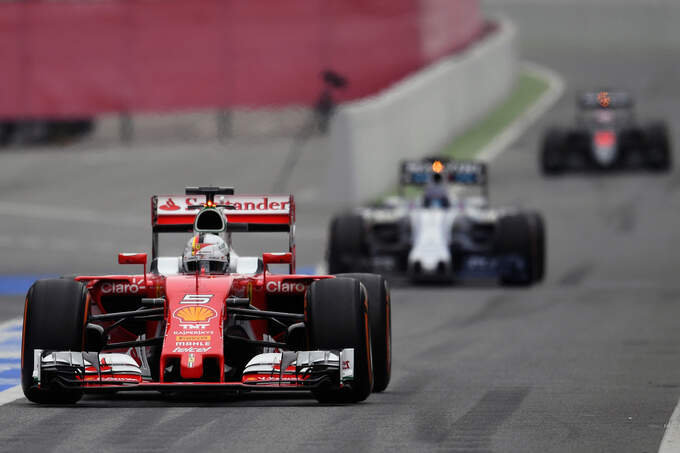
(436, 195)
(206, 252)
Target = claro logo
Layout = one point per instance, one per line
(285, 287)
(130, 287)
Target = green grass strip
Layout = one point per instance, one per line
(528, 89)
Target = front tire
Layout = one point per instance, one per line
(55, 314)
(336, 312)
(537, 247)
(514, 240)
(379, 319)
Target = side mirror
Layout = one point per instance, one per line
(277, 258)
(133, 258)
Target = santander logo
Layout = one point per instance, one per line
(256, 204)
(169, 206)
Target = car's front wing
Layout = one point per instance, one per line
(93, 372)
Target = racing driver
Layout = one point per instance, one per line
(206, 253)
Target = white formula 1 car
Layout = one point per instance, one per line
(443, 237)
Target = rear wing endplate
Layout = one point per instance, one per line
(604, 99)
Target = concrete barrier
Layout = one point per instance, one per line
(417, 116)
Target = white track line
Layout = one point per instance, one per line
(511, 133)
(9, 330)
(11, 394)
(12, 324)
(671, 437)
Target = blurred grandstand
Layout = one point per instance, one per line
(210, 67)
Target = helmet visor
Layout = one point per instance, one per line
(207, 266)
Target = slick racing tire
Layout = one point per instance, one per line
(55, 314)
(336, 311)
(515, 239)
(537, 246)
(553, 158)
(345, 246)
(380, 322)
(658, 155)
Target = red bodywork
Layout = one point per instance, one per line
(195, 309)
(194, 317)
(604, 138)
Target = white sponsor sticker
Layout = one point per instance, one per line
(285, 287)
(190, 349)
(196, 299)
(346, 365)
(132, 287)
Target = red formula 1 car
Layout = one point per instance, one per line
(209, 320)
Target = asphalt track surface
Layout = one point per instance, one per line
(586, 361)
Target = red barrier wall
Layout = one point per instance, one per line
(70, 58)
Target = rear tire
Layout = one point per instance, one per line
(345, 247)
(658, 155)
(553, 152)
(54, 319)
(379, 319)
(337, 318)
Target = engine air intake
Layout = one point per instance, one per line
(210, 221)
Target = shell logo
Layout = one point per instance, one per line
(437, 166)
(604, 99)
(195, 313)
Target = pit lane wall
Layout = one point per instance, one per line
(417, 116)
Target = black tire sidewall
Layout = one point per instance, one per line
(336, 314)
(379, 318)
(552, 152)
(658, 154)
(515, 238)
(55, 314)
(345, 243)
(538, 251)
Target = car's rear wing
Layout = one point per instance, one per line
(604, 99)
(243, 213)
(465, 172)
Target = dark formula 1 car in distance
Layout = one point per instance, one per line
(209, 320)
(606, 136)
(445, 235)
